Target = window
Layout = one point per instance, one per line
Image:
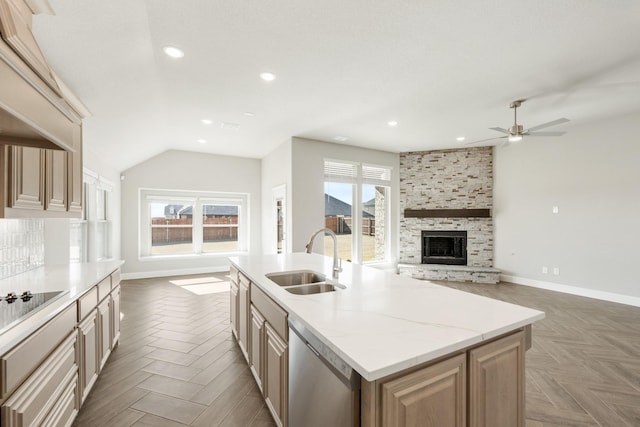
(363, 233)
(90, 236)
(179, 223)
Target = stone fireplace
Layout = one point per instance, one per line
(447, 192)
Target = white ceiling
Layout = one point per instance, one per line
(441, 68)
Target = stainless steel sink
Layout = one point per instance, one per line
(293, 278)
(315, 288)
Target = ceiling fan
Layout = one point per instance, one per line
(516, 132)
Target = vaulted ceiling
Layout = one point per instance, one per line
(442, 69)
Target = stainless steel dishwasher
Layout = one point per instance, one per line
(323, 389)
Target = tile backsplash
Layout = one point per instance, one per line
(21, 245)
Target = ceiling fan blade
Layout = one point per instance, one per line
(545, 134)
(484, 140)
(548, 124)
(503, 130)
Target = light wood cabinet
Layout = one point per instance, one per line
(233, 309)
(432, 396)
(496, 383)
(115, 315)
(258, 336)
(39, 182)
(88, 359)
(276, 369)
(104, 331)
(244, 302)
(55, 180)
(45, 379)
(263, 324)
(481, 387)
(48, 396)
(25, 178)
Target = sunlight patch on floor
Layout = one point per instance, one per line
(202, 285)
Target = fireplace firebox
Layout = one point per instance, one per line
(444, 247)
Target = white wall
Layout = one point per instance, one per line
(592, 175)
(276, 171)
(307, 202)
(181, 170)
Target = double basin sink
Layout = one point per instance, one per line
(303, 282)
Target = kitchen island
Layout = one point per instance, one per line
(397, 333)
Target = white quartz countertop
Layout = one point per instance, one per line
(73, 279)
(383, 323)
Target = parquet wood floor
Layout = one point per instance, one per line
(177, 364)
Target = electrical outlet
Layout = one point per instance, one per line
(556, 271)
(545, 270)
(555, 210)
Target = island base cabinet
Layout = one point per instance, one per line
(433, 396)
(48, 397)
(481, 387)
(496, 383)
(257, 347)
(243, 315)
(276, 380)
(233, 309)
(104, 336)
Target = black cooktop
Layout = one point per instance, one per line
(15, 307)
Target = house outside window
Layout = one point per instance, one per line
(187, 223)
(363, 233)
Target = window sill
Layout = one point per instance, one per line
(152, 258)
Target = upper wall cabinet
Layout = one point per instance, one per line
(36, 110)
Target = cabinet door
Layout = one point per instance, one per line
(433, 396)
(55, 180)
(74, 174)
(233, 312)
(87, 355)
(276, 375)
(256, 361)
(243, 317)
(496, 383)
(26, 177)
(104, 336)
(115, 317)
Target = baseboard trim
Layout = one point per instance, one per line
(574, 290)
(167, 273)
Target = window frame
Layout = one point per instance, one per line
(350, 172)
(197, 199)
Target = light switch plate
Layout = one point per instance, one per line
(556, 271)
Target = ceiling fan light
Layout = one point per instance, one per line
(515, 138)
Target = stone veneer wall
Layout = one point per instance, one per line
(447, 179)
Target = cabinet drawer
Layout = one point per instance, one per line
(115, 278)
(64, 411)
(87, 302)
(104, 288)
(16, 365)
(271, 311)
(34, 399)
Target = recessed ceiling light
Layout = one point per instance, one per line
(207, 121)
(340, 138)
(268, 77)
(229, 125)
(460, 138)
(202, 141)
(173, 51)
(392, 123)
(249, 114)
